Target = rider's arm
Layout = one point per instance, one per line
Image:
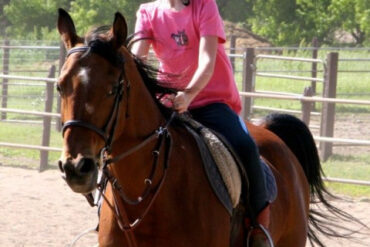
(141, 49)
(206, 63)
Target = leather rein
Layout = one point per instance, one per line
(163, 137)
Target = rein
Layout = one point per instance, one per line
(163, 137)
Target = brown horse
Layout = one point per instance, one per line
(110, 110)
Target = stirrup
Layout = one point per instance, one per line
(264, 230)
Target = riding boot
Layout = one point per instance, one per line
(258, 237)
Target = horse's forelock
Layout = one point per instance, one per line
(99, 41)
(102, 33)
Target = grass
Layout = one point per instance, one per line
(30, 134)
(350, 86)
(349, 167)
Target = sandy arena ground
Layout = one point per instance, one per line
(38, 209)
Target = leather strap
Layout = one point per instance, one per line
(77, 49)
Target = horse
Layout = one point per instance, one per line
(155, 191)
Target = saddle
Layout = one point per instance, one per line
(224, 170)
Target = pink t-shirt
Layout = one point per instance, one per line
(175, 37)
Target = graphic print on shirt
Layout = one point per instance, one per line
(180, 38)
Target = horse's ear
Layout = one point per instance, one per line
(119, 30)
(67, 29)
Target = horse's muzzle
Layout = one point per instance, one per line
(80, 174)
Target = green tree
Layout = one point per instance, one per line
(4, 23)
(36, 19)
(32, 17)
(352, 16)
(234, 10)
(97, 12)
(289, 22)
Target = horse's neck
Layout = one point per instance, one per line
(142, 119)
(143, 113)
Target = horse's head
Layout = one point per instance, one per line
(91, 86)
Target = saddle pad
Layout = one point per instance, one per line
(271, 186)
(225, 164)
(221, 167)
(219, 164)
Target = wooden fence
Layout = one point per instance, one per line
(328, 99)
(250, 60)
(47, 115)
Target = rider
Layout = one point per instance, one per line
(187, 38)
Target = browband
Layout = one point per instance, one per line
(78, 49)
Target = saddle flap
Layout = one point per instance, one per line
(219, 164)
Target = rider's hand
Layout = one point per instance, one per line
(182, 101)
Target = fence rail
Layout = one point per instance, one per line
(35, 113)
(347, 181)
(342, 140)
(34, 147)
(29, 47)
(328, 99)
(27, 78)
(304, 98)
(297, 59)
(47, 115)
(301, 78)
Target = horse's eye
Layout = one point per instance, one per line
(58, 88)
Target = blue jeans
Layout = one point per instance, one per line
(222, 119)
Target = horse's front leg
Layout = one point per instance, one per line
(110, 235)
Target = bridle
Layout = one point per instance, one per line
(163, 137)
(112, 119)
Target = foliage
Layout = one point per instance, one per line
(3, 20)
(234, 10)
(283, 22)
(97, 12)
(288, 22)
(32, 18)
(352, 16)
(36, 19)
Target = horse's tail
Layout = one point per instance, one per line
(299, 139)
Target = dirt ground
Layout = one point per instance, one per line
(38, 209)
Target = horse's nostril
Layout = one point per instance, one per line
(86, 165)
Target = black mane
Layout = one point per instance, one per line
(104, 48)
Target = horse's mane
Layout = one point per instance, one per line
(98, 41)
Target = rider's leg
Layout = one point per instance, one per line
(222, 119)
(226, 122)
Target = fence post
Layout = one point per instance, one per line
(62, 58)
(307, 106)
(328, 109)
(4, 94)
(232, 51)
(248, 85)
(315, 45)
(49, 96)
